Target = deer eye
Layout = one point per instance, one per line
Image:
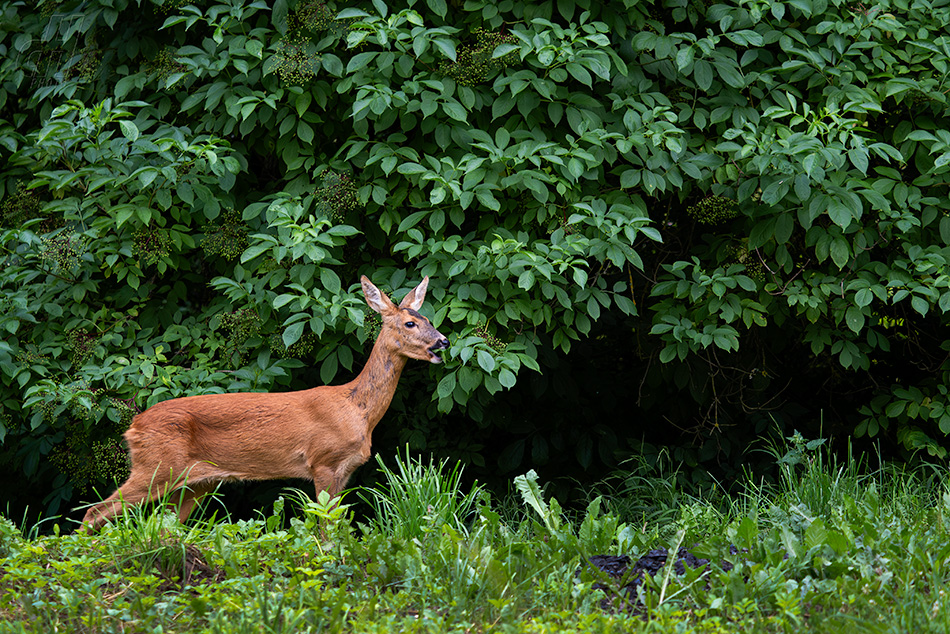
(410, 324)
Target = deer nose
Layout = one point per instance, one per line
(442, 344)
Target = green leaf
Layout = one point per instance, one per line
(292, 333)
(527, 485)
(784, 224)
(358, 61)
(854, 318)
(840, 252)
(446, 385)
(304, 131)
(411, 168)
(454, 110)
(446, 46)
(703, 74)
(503, 49)
(526, 280)
(129, 130)
(330, 280)
(486, 198)
(348, 14)
(485, 360)
(816, 534)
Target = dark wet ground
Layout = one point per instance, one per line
(627, 576)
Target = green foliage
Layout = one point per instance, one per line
(420, 499)
(868, 553)
(741, 197)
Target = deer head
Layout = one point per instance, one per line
(404, 328)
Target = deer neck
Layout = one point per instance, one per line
(372, 391)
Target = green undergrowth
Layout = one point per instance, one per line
(828, 545)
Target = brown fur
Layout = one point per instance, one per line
(190, 444)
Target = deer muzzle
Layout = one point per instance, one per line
(441, 344)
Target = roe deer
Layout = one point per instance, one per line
(190, 444)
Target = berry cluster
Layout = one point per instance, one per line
(171, 6)
(268, 264)
(150, 245)
(753, 266)
(568, 229)
(228, 239)
(241, 325)
(88, 65)
(48, 408)
(920, 98)
(110, 460)
(31, 357)
(298, 350)
(311, 15)
(63, 251)
(372, 325)
(126, 409)
(74, 463)
(165, 65)
(474, 63)
(336, 195)
(297, 59)
(491, 340)
(713, 210)
(77, 408)
(82, 343)
(20, 206)
(49, 8)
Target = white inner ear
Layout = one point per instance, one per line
(416, 296)
(376, 300)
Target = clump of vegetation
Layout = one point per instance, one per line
(165, 65)
(82, 343)
(111, 460)
(300, 349)
(825, 543)
(311, 15)
(372, 324)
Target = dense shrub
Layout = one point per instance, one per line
(712, 215)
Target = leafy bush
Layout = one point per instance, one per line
(737, 206)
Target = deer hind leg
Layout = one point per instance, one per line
(191, 495)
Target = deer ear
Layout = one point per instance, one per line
(376, 300)
(415, 297)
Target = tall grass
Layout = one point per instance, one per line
(829, 544)
(417, 498)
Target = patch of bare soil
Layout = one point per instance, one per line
(183, 565)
